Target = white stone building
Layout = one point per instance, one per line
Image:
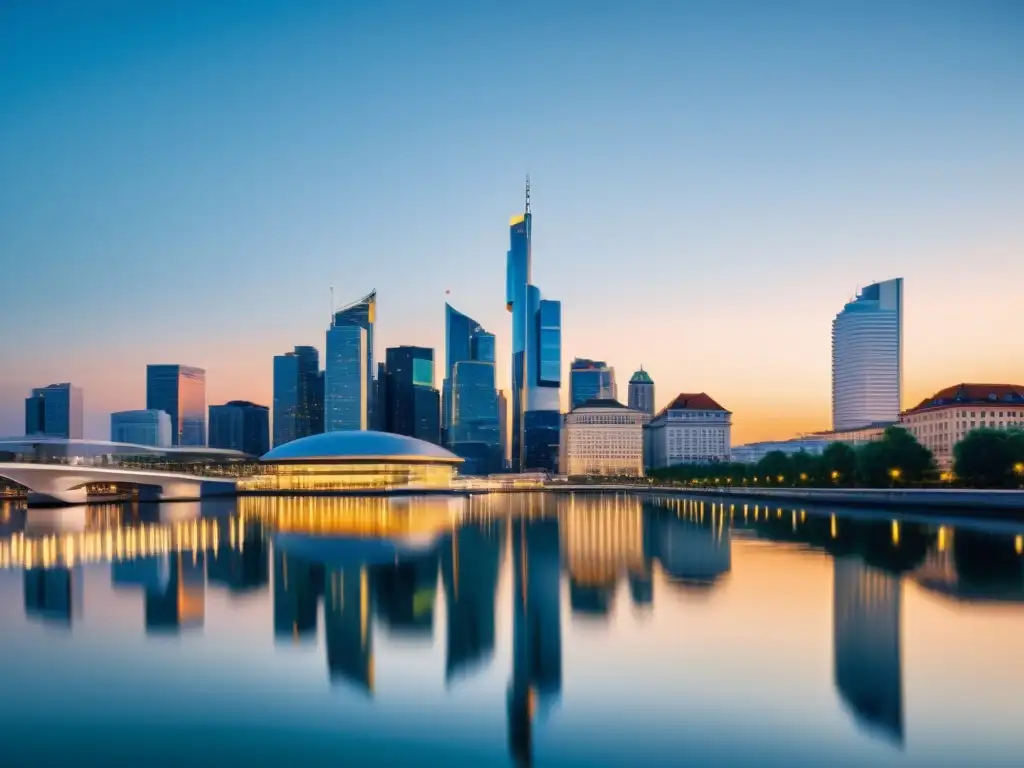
(602, 437)
(692, 429)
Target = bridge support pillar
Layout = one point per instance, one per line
(177, 490)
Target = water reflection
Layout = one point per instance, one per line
(421, 572)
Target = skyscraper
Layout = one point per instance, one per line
(410, 403)
(641, 392)
(179, 391)
(867, 357)
(54, 411)
(296, 391)
(240, 426)
(363, 313)
(536, 356)
(503, 426)
(141, 428)
(590, 380)
(345, 379)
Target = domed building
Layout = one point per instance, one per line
(355, 460)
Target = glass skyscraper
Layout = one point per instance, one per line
(240, 426)
(590, 380)
(867, 357)
(345, 379)
(180, 391)
(141, 428)
(409, 402)
(55, 411)
(298, 395)
(363, 313)
(536, 356)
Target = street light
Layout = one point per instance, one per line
(835, 474)
(803, 477)
(895, 473)
(781, 478)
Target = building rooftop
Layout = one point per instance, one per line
(63, 446)
(360, 445)
(973, 394)
(641, 377)
(600, 402)
(700, 401)
(245, 404)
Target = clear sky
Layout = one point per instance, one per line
(183, 182)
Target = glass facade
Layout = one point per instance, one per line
(475, 434)
(179, 391)
(345, 379)
(536, 355)
(867, 357)
(240, 426)
(55, 411)
(590, 380)
(466, 341)
(298, 395)
(141, 428)
(408, 400)
(341, 476)
(363, 313)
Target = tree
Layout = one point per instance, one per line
(774, 465)
(806, 468)
(839, 463)
(989, 458)
(894, 459)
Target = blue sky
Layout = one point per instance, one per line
(184, 181)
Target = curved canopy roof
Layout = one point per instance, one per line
(360, 444)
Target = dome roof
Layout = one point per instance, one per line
(359, 444)
(641, 377)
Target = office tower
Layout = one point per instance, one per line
(590, 380)
(641, 392)
(363, 313)
(54, 411)
(296, 381)
(141, 428)
(867, 357)
(475, 434)
(407, 397)
(379, 421)
(867, 661)
(240, 426)
(503, 427)
(536, 356)
(459, 330)
(180, 392)
(345, 379)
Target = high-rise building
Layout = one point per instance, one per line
(240, 426)
(692, 429)
(54, 411)
(641, 392)
(296, 390)
(536, 356)
(867, 357)
(363, 313)
(590, 380)
(503, 426)
(475, 434)
(407, 397)
(460, 344)
(141, 428)
(179, 391)
(345, 379)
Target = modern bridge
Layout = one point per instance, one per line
(66, 483)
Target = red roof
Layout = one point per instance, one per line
(973, 394)
(685, 401)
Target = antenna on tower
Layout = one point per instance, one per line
(332, 306)
(527, 193)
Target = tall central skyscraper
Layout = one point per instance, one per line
(867, 357)
(179, 391)
(536, 355)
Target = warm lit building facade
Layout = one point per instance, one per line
(603, 437)
(942, 420)
(692, 429)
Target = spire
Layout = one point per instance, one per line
(527, 193)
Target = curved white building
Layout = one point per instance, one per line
(867, 357)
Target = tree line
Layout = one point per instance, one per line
(984, 458)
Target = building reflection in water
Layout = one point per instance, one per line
(174, 586)
(405, 593)
(536, 629)
(51, 594)
(297, 589)
(694, 546)
(866, 641)
(348, 625)
(470, 563)
(243, 565)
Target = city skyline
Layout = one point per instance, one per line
(752, 194)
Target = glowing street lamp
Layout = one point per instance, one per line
(835, 474)
(895, 473)
(781, 478)
(803, 477)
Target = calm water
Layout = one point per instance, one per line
(553, 630)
